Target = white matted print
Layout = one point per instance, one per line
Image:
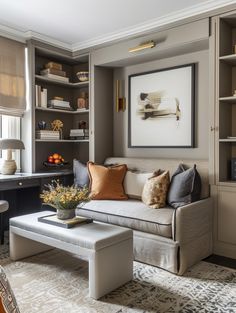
(161, 108)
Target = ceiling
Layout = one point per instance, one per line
(79, 24)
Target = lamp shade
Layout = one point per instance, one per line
(11, 144)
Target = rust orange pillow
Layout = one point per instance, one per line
(106, 183)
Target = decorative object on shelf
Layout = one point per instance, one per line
(120, 101)
(83, 76)
(234, 93)
(82, 124)
(54, 70)
(161, 108)
(57, 125)
(55, 160)
(59, 104)
(82, 101)
(9, 165)
(42, 125)
(147, 45)
(64, 199)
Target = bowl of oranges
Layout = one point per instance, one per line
(55, 160)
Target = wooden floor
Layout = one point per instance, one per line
(221, 260)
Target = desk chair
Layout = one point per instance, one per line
(4, 205)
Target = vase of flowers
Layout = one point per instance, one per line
(64, 199)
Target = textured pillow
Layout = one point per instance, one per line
(81, 174)
(7, 299)
(155, 190)
(106, 183)
(134, 183)
(185, 187)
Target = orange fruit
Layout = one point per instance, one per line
(55, 156)
(57, 161)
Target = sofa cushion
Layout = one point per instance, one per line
(132, 214)
(81, 174)
(185, 187)
(107, 182)
(134, 183)
(155, 190)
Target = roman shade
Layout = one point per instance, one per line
(12, 77)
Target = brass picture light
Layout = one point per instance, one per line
(146, 45)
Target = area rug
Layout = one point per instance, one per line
(56, 281)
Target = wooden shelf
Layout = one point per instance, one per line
(61, 111)
(229, 59)
(229, 183)
(61, 83)
(61, 140)
(231, 99)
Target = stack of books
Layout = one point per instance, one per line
(47, 134)
(40, 96)
(54, 70)
(79, 134)
(59, 104)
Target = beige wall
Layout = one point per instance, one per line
(120, 147)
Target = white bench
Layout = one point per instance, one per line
(108, 248)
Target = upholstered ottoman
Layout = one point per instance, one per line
(108, 248)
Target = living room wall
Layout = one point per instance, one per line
(120, 131)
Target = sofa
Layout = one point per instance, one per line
(172, 239)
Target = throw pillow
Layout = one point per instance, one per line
(155, 190)
(81, 176)
(185, 186)
(106, 183)
(134, 183)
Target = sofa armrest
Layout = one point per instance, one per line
(193, 221)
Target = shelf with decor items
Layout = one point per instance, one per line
(59, 99)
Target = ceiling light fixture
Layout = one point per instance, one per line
(146, 45)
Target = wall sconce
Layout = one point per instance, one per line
(120, 101)
(146, 45)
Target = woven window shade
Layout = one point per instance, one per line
(12, 77)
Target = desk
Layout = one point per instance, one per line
(22, 191)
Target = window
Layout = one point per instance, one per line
(10, 128)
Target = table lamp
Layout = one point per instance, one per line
(9, 165)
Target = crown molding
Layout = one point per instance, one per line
(139, 29)
(47, 39)
(154, 24)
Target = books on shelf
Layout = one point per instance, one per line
(79, 133)
(59, 104)
(47, 134)
(40, 96)
(53, 220)
(53, 71)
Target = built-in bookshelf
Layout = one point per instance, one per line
(226, 97)
(69, 92)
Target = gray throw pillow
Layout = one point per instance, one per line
(81, 176)
(185, 187)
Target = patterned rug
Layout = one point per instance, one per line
(56, 281)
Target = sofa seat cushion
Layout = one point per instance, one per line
(130, 213)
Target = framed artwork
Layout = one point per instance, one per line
(161, 108)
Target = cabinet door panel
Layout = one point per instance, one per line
(227, 216)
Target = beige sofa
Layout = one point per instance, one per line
(170, 239)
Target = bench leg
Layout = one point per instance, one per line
(21, 247)
(110, 267)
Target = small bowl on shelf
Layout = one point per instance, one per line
(82, 76)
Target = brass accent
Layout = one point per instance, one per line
(146, 45)
(120, 101)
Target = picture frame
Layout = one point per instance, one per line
(161, 109)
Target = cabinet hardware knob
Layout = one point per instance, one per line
(20, 183)
(212, 128)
